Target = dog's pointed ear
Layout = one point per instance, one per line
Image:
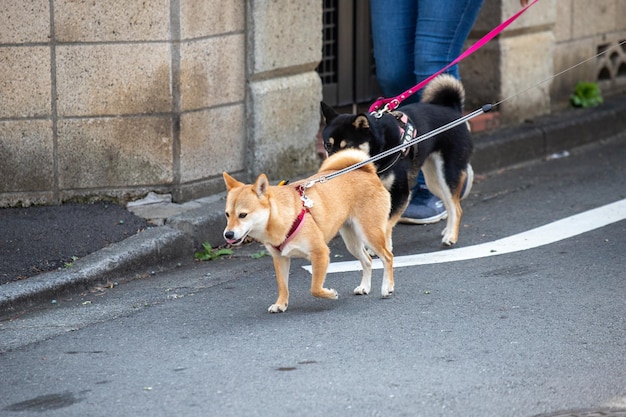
(230, 182)
(260, 185)
(328, 112)
(361, 121)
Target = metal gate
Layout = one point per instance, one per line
(347, 69)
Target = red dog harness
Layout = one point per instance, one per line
(297, 223)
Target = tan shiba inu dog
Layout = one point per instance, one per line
(299, 220)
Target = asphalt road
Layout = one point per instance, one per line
(520, 334)
(39, 239)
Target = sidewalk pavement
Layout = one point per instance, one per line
(183, 227)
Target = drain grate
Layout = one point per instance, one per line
(602, 412)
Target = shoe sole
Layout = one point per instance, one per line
(429, 220)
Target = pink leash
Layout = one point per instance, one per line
(390, 104)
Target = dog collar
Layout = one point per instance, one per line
(297, 223)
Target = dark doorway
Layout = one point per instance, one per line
(347, 69)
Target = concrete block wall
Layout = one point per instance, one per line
(285, 47)
(520, 57)
(86, 99)
(213, 135)
(584, 29)
(114, 99)
(118, 98)
(551, 37)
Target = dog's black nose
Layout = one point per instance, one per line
(229, 234)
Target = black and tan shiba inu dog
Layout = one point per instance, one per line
(444, 158)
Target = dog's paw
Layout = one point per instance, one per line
(448, 238)
(277, 308)
(386, 292)
(325, 293)
(361, 290)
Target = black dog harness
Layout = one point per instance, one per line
(408, 132)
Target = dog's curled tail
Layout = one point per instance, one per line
(445, 90)
(345, 158)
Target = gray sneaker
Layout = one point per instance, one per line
(426, 208)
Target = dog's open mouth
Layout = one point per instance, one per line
(235, 242)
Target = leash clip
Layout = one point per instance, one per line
(306, 201)
(379, 113)
(385, 109)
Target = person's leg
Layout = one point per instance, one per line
(393, 35)
(413, 39)
(441, 31)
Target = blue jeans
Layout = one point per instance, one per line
(414, 39)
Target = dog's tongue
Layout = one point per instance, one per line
(232, 241)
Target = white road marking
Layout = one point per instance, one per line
(543, 235)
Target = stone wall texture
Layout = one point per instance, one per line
(114, 99)
(553, 36)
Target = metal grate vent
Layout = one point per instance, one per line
(327, 69)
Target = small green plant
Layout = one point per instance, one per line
(71, 263)
(209, 254)
(259, 254)
(586, 94)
